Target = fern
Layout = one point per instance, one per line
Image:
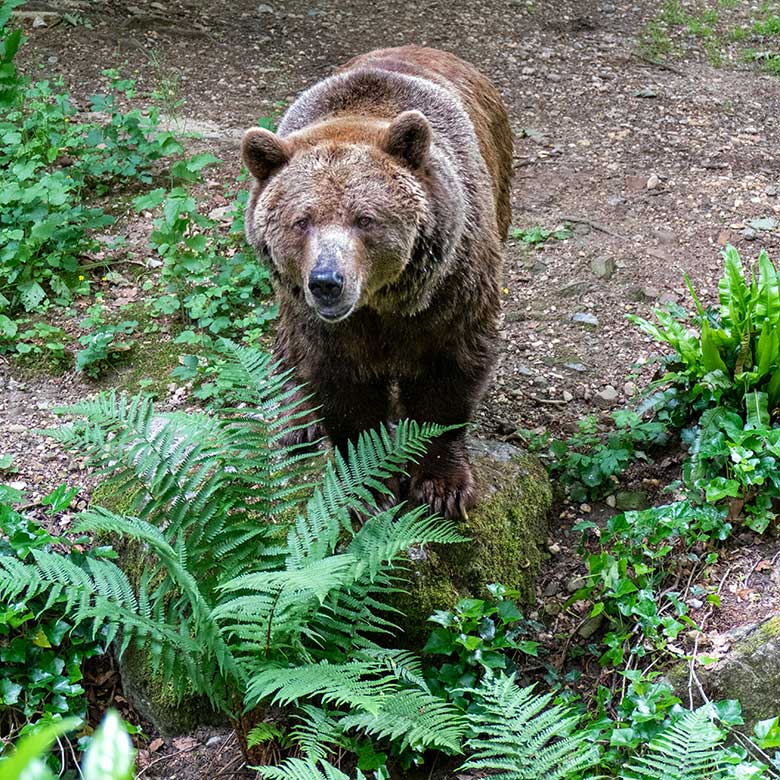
(519, 736)
(232, 582)
(686, 750)
(299, 769)
(386, 699)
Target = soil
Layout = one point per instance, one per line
(654, 166)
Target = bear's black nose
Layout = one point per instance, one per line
(326, 284)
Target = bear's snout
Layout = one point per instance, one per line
(326, 285)
(332, 286)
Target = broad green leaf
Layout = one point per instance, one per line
(110, 754)
(757, 406)
(711, 359)
(32, 747)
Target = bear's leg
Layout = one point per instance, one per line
(443, 477)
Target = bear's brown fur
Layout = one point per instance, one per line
(382, 203)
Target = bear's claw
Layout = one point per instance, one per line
(451, 495)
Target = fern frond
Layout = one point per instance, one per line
(299, 769)
(519, 736)
(317, 732)
(355, 684)
(351, 485)
(686, 750)
(414, 719)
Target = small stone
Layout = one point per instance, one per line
(214, 741)
(607, 396)
(579, 367)
(603, 267)
(575, 288)
(524, 370)
(615, 200)
(264, 8)
(39, 22)
(528, 71)
(575, 584)
(552, 588)
(610, 501)
(53, 60)
(630, 499)
(17, 485)
(586, 509)
(585, 318)
(554, 549)
(772, 190)
(749, 234)
(653, 182)
(630, 388)
(636, 183)
(590, 626)
(16, 428)
(650, 293)
(696, 603)
(567, 396)
(552, 608)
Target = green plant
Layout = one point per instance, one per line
(103, 339)
(722, 354)
(519, 736)
(538, 235)
(212, 280)
(109, 756)
(476, 636)
(638, 552)
(689, 749)
(41, 652)
(591, 459)
(234, 581)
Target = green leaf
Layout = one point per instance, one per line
(110, 755)
(757, 406)
(31, 748)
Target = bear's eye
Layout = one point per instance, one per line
(364, 222)
(301, 224)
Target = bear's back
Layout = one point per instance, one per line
(462, 107)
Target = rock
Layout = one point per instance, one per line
(650, 293)
(603, 267)
(508, 537)
(771, 190)
(580, 368)
(653, 182)
(630, 388)
(590, 626)
(567, 396)
(585, 318)
(575, 288)
(264, 8)
(636, 183)
(615, 200)
(607, 396)
(748, 671)
(749, 234)
(155, 701)
(630, 499)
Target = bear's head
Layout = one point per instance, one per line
(339, 207)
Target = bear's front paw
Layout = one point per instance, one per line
(452, 494)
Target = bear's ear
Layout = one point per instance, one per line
(408, 138)
(263, 152)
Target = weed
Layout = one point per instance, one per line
(590, 460)
(538, 235)
(476, 636)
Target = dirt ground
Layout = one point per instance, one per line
(654, 166)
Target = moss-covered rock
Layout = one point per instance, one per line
(507, 532)
(146, 691)
(749, 672)
(155, 700)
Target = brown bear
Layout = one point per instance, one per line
(382, 202)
